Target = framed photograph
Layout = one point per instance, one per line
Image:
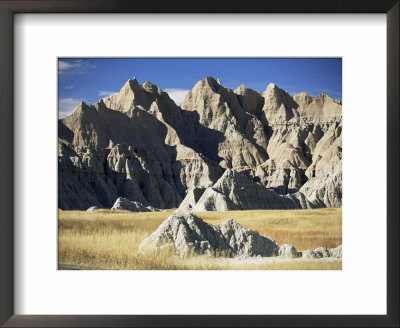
(217, 164)
(194, 174)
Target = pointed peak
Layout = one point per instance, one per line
(302, 98)
(100, 105)
(240, 90)
(241, 87)
(131, 84)
(211, 82)
(210, 79)
(273, 88)
(303, 94)
(150, 87)
(133, 80)
(149, 84)
(81, 107)
(324, 96)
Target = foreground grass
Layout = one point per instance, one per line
(110, 239)
(304, 229)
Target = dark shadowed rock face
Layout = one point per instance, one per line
(283, 151)
(190, 235)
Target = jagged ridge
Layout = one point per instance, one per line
(271, 150)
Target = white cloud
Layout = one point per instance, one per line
(68, 87)
(106, 93)
(177, 95)
(74, 66)
(66, 106)
(63, 65)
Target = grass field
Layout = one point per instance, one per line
(110, 239)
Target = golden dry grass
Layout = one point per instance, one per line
(304, 229)
(110, 239)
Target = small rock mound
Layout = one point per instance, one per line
(288, 251)
(336, 252)
(323, 252)
(126, 204)
(246, 242)
(191, 235)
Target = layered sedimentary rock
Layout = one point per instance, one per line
(128, 151)
(189, 235)
(284, 152)
(244, 142)
(236, 191)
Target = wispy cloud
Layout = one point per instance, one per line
(66, 106)
(76, 66)
(68, 87)
(293, 93)
(177, 95)
(106, 93)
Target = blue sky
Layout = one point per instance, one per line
(90, 79)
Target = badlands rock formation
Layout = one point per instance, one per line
(190, 235)
(220, 150)
(125, 204)
(236, 191)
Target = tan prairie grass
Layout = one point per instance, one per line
(304, 229)
(207, 263)
(107, 239)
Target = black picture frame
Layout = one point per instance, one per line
(7, 10)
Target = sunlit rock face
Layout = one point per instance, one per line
(187, 235)
(220, 150)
